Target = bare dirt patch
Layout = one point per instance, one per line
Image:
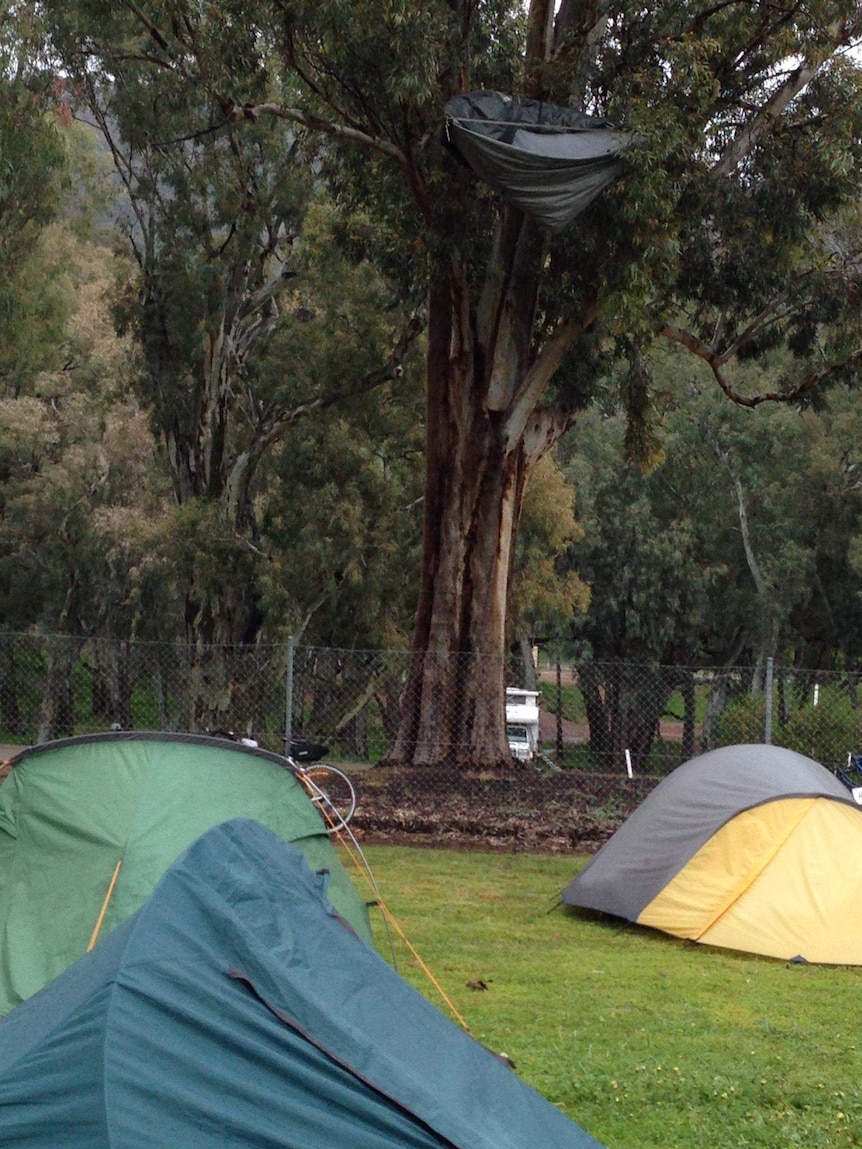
(518, 811)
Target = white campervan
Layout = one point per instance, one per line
(522, 723)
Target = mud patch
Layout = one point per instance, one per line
(512, 811)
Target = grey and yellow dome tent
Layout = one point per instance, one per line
(750, 847)
(235, 1009)
(89, 825)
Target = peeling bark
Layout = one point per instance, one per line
(484, 436)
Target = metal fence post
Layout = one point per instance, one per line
(767, 732)
(288, 696)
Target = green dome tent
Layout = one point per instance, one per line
(235, 1009)
(70, 811)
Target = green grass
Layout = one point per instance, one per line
(573, 707)
(571, 699)
(643, 1039)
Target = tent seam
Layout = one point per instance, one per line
(749, 879)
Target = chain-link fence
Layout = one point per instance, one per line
(604, 732)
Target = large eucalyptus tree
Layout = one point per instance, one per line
(34, 192)
(747, 122)
(213, 215)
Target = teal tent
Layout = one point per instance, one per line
(89, 825)
(236, 1009)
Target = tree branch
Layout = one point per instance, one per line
(238, 112)
(716, 360)
(742, 512)
(535, 381)
(148, 24)
(391, 369)
(839, 33)
(756, 325)
(765, 119)
(265, 293)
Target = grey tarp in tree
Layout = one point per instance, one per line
(551, 162)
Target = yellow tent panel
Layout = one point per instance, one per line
(723, 869)
(808, 901)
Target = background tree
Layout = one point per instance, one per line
(81, 499)
(214, 219)
(647, 558)
(747, 127)
(59, 376)
(546, 592)
(34, 189)
(733, 547)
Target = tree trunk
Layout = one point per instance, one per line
(526, 666)
(561, 749)
(10, 707)
(453, 706)
(593, 691)
(453, 703)
(57, 715)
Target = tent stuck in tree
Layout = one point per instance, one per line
(548, 161)
(89, 825)
(235, 1008)
(751, 848)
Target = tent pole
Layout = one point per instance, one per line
(98, 926)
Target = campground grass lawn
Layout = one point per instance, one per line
(643, 1039)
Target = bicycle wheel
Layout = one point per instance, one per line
(333, 792)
